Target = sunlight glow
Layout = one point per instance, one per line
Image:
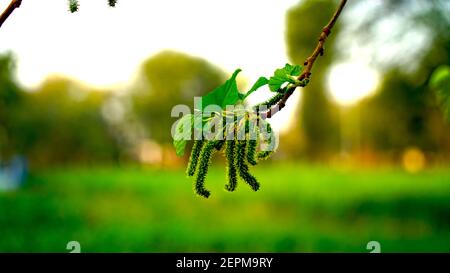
(350, 82)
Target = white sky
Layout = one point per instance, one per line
(104, 46)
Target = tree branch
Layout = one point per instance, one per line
(309, 62)
(9, 10)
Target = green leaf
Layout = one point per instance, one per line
(226, 94)
(287, 74)
(441, 77)
(73, 5)
(259, 83)
(440, 82)
(182, 133)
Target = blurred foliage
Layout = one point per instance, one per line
(402, 114)
(403, 111)
(62, 122)
(10, 96)
(59, 122)
(393, 24)
(168, 79)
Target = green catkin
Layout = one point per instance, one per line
(194, 158)
(219, 145)
(252, 137)
(230, 151)
(251, 152)
(204, 162)
(262, 155)
(112, 3)
(73, 6)
(269, 103)
(243, 167)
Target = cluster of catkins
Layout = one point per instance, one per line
(74, 5)
(244, 142)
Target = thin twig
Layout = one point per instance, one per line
(308, 63)
(9, 10)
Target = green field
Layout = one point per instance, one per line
(300, 208)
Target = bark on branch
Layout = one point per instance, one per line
(9, 10)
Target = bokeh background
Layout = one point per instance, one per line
(85, 144)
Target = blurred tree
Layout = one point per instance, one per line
(61, 122)
(10, 97)
(401, 115)
(387, 30)
(404, 111)
(165, 80)
(318, 118)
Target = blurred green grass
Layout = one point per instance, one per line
(300, 208)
